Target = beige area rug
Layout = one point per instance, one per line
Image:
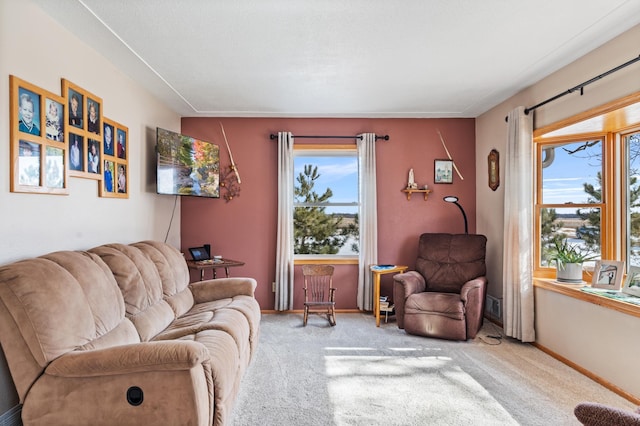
(357, 374)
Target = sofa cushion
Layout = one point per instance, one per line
(173, 273)
(447, 261)
(445, 304)
(141, 286)
(55, 304)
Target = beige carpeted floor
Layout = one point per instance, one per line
(357, 374)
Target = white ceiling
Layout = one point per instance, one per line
(342, 58)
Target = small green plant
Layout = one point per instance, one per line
(562, 253)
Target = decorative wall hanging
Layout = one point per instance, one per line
(83, 131)
(38, 150)
(115, 165)
(443, 171)
(449, 156)
(494, 169)
(230, 180)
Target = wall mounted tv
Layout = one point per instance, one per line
(186, 165)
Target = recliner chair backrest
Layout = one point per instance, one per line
(447, 261)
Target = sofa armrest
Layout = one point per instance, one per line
(472, 295)
(412, 282)
(469, 287)
(133, 358)
(222, 288)
(404, 285)
(150, 383)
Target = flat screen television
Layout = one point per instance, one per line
(186, 165)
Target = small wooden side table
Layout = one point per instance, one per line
(396, 269)
(203, 265)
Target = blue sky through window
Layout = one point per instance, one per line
(340, 173)
(563, 179)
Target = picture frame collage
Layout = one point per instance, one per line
(38, 151)
(55, 137)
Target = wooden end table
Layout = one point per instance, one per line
(203, 265)
(396, 269)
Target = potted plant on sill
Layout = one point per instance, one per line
(568, 259)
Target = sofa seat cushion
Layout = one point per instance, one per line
(445, 304)
(230, 321)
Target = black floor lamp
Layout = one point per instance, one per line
(453, 199)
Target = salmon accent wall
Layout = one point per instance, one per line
(245, 228)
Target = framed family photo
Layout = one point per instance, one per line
(84, 131)
(38, 153)
(608, 274)
(443, 171)
(115, 166)
(632, 282)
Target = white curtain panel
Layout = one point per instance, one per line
(368, 216)
(517, 269)
(284, 247)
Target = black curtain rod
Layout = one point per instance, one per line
(273, 136)
(580, 86)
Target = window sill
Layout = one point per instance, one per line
(574, 291)
(325, 260)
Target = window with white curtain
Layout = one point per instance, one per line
(325, 216)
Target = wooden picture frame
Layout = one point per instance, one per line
(37, 148)
(115, 160)
(493, 169)
(632, 282)
(608, 274)
(443, 171)
(84, 121)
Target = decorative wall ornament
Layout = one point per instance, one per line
(230, 180)
(229, 183)
(449, 155)
(494, 169)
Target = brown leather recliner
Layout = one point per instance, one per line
(444, 296)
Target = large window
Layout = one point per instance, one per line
(588, 185)
(325, 216)
(570, 205)
(632, 198)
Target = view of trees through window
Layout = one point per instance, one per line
(633, 199)
(325, 217)
(572, 203)
(571, 178)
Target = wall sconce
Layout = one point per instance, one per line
(454, 200)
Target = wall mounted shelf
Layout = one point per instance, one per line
(426, 192)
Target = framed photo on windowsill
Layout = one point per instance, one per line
(608, 274)
(632, 282)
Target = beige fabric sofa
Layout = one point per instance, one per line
(116, 335)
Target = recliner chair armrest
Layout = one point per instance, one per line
(133, 358)
(469, 286)
(222, 288)
(411, 281)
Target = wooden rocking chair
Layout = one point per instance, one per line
(319, 293)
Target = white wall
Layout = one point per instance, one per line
(36, 49)
(491, 132)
